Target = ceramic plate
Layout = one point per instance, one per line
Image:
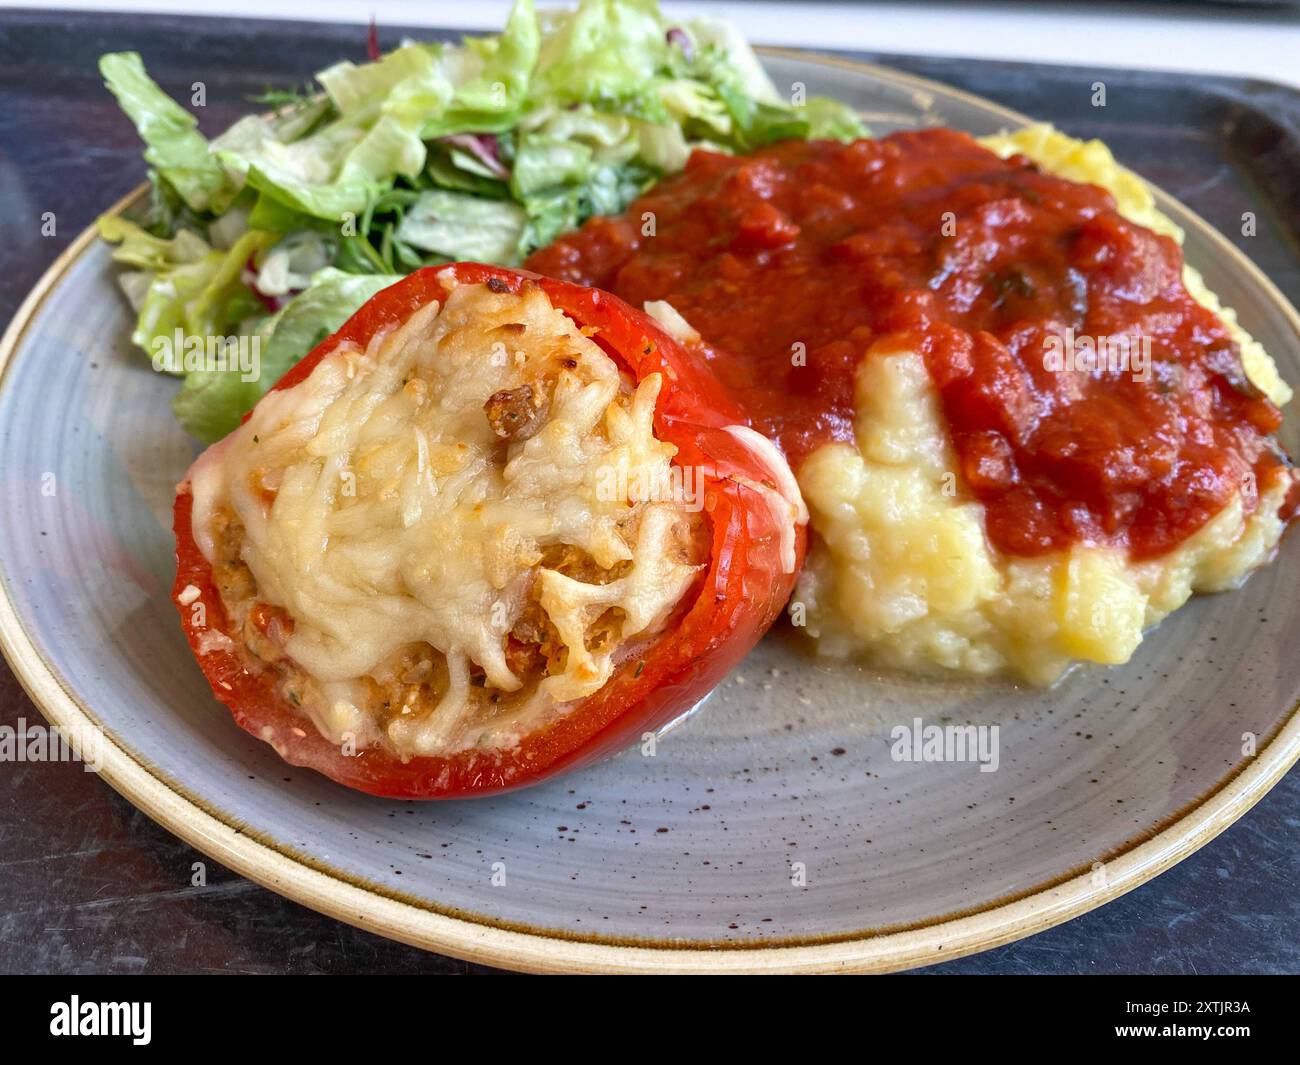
(771, 830)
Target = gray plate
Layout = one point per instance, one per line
(770, 830)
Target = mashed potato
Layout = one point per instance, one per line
(901, 572)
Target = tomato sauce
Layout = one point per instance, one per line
(793, 261)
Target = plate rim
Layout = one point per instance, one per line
(484, 940)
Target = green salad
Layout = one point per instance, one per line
(281, 227)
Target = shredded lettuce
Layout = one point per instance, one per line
(173, 143)
(212, 401)
(490, 78)
(194, 290)
(603, 52)
(458, 225)
(279, 228)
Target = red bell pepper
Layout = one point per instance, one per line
(750, 572)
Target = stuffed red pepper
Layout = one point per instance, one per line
(496, 527)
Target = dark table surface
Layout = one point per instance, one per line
(89, 884)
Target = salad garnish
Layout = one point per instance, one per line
(282, 226)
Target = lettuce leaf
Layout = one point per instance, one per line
(542, 162)
(211, 402)
(604, 51)
(141, 249)
(173, 143)
(195, 289)
(334, 173)
(490, 77)
(352, 88)
(458, 225)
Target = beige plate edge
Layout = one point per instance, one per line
(540, 952)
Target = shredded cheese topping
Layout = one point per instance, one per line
(381, 508)
(785, 500)
(672, 321)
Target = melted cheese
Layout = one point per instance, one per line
(672, 322)
(785, 501)
(380, 510)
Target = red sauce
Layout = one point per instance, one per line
(836, 246)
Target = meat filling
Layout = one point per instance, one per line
(439, 541)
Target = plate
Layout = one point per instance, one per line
(771, 831)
